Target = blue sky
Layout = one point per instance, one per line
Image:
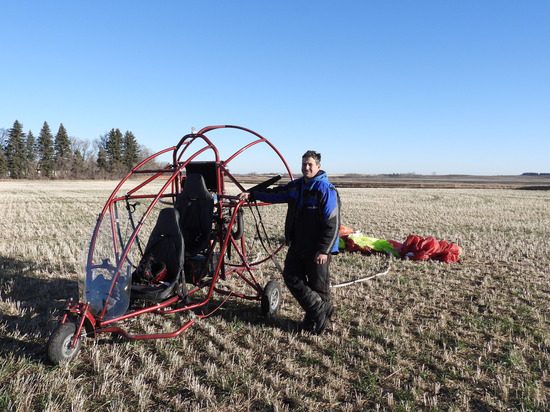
(376, 87)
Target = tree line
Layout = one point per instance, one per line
(24, 156)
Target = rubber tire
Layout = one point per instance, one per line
(271, 298)
(58, 345)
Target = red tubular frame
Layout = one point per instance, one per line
(97, 323)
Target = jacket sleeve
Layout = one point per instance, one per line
(330, 220)
(276, 195)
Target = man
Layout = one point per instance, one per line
(311, 230)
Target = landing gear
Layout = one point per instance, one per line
(60, 349)
(271, 299)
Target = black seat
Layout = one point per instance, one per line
(196, 208)
(160, 269)
(195, 205)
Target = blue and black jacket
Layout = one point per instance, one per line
(313, 216)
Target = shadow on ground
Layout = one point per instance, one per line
(251, 314)
(238, 310)
(28, 305)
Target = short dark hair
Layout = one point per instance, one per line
(312, 153)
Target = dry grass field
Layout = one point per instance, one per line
(474, 335)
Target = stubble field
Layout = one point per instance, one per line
(474, 335)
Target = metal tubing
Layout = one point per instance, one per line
(120, 331)
(223, 239)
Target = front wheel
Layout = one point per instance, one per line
(271, 298)
(59, 345)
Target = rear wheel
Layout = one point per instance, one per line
(59, 345)
(271, 298)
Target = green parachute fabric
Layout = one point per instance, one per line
(360, 242)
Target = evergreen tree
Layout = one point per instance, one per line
(3, 160)
(78, 165)
(101, 161)
(63, 152)
(113, 151)
(130, 150)
(3, 163)
(31, 155)
(3, 137)
(16, 151)
(46, 151)
(26, 156)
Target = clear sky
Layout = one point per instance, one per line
(375, 86)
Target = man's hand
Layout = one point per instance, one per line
(321, 258)
(244, 195)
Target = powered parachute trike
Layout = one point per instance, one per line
(168, 239)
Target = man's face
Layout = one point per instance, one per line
(310, 167)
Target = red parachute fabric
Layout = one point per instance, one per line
(418, 248)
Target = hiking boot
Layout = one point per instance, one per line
(322, 318)
(308, 323)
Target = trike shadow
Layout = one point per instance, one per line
(27, 306)
(251, 314)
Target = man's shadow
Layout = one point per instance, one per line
(28, 306)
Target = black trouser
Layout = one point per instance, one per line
(307, 281)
